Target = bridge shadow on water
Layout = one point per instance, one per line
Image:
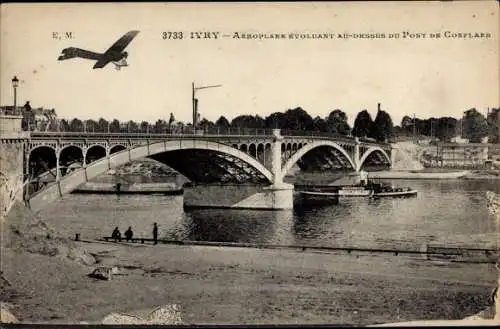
(227, 225)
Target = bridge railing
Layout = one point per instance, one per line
(167, 132)
(215, 131)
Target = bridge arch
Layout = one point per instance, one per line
(117, 148)
(310, 146)
(74, 179)
(71, 146)
(40, 159)
(370, 151)
(40, 146)
(94, 152)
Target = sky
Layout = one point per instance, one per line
(422, 76)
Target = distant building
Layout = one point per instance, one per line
(459, 140)
(457, 155)
(34, 119)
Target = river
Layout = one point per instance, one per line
(451, 212)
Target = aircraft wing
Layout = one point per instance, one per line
(102, 62)
(123, 42)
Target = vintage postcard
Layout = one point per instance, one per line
(250, 163)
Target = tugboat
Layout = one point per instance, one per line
(381, 189)
(330, 194)
(367, 187)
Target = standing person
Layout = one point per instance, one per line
(129, 234)
(155, 233)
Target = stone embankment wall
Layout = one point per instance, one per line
(11, 175)
(135, 187)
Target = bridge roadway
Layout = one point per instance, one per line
(237, 169)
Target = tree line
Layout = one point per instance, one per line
(296, 119)
(473, 125)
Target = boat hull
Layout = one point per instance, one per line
(318, 198)
(395, 194)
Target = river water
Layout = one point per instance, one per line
(451, 212)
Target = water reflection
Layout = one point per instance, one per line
(227, 225)
(448, 212)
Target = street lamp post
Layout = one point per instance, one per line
(195, 102)
(15, 83)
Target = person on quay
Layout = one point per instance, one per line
(155, 233)
(129, 234)
(116, 234)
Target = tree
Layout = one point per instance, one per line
(102, 125)
(319, 124)
(178, 128)
(337, 123)
(275, 120)
(475, 126)
(433, 127)
(494, 125)
(382, 127)
(362, 124)
(64, 125)
(248, 122)
(144, 126)
(398, 131)
(160, 126)
(406, 122)
(114, 126)
(132, 126)
(407, 126)
(171, 120)
(91, 125)
(207, 125)
(76, 125)
(222, 124)
(297, 119)
(446, 127)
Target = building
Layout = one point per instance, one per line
(459, 140)
(455, 155)
(34, 119)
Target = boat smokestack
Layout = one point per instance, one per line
(378, 106)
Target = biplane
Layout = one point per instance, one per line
(114, 54)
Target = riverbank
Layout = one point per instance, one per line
(230, 285)
(416, 174)
(437, 173)
(218, 285)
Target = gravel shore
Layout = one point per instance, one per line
(242, 285)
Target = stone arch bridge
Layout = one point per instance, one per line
(232, 170)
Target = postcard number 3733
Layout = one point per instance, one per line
(172, 35)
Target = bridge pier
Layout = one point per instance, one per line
(357, 155)
(246, 196)
(277, 196)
